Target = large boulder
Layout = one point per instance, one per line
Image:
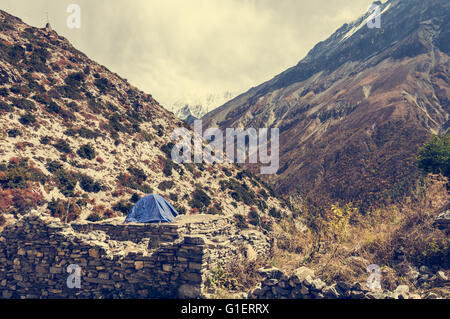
(443, 220)
(189, 292)
(300, 274)
(271, 273)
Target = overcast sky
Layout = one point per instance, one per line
(180, 49)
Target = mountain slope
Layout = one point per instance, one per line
(354, 111)
(80, 141)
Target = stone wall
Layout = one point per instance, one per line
(116, 261)
(304, 284)
(159, 233)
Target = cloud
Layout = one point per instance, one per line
(178, 48)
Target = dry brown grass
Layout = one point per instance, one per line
(341, 242)
(240, 274)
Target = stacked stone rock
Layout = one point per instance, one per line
(426, 278)
(443, 221)
(36, 252)
(303, 284)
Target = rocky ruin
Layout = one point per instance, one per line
(304, 284)
(118, 260)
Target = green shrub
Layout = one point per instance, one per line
(95, 106)
(123, 206)
(275, 213)
(94, 217)
(215, 210)
(74, 106)
(135, 198)
(227, 172)
(434, 252)
(16, 89)
(263, 194)
(145, 188)
(53, 93)
(27, 119)
(63, 146)
(146, 136)
(138, 173)
(254, 218)
(70, 92)
(168, 166)
(180, 209)
(116, 125)
(267, 226)
(67, 182)
(200, 200)
(434, 156)
(103, 85)
(159, 130)
(53, 166)
(165, 185)
(14, 133)
(15, 53)
(87, 152)
(18, 175)
(87, 133)
(5, 107)
(64, 210)
(83, 132)
(262, 205)
(241, 222)
(41, 98)
(24, 104)
(240, 192)
(88, 184)
(167, 149)
(52, 107)
(37, 61)
(75, 79)
(135, 181)
(45, 140)
(173, 197)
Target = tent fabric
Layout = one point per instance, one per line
(152, 209)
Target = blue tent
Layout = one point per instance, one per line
(152, 209)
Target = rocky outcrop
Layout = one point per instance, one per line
(304, 284)
(443, 220)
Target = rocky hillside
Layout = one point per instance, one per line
(354, 111)
(81, 142)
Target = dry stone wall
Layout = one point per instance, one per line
(116, 261)
(304, 284)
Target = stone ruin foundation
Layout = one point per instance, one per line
(118, 260)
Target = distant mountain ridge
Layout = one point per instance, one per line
(354, 111)
(192, 109)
